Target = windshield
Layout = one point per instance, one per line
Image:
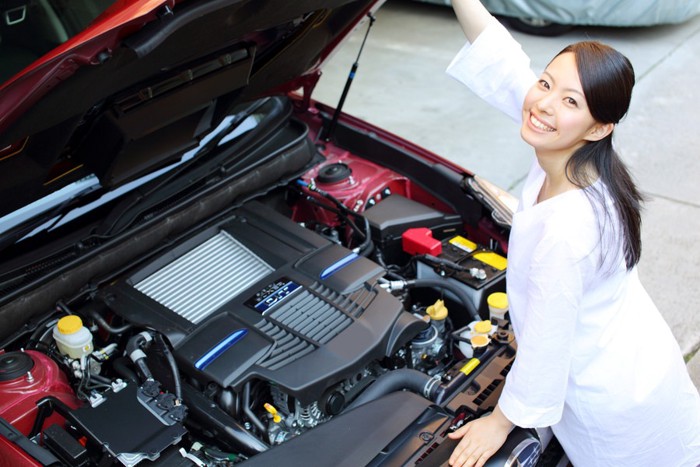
(30, 28)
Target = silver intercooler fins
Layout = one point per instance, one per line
(197, 283)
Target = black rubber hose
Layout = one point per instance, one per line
(367, 246)
(367, 249)
(249, 412)
(447, 285)
(170, 358)
(339, 212)
(121, 367)
(227, 431)
(101, 379)
(135, 352)
(398, 380)
(103, 324)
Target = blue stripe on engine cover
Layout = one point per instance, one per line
(340, 264)
(220, 348)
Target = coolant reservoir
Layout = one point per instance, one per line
(479, 334)
(72, 338)
(482, 328)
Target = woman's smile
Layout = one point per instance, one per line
(540, 124)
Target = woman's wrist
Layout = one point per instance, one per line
(502, 420)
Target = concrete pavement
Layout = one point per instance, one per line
(401, 86)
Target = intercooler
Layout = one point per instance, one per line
(200, 281)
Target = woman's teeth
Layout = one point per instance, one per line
(539, 124)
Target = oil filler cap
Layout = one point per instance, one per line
(14, 365)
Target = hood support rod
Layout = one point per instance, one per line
(334, 121)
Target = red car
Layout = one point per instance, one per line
(202, 265)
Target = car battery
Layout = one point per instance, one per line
(395, 214)
(481, 271)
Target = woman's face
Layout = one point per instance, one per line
(556, 119)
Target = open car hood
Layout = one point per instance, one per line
(147, 79)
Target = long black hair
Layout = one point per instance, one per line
(607, 78)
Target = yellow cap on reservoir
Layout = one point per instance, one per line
(483, 327)
(498, 300)
(69, 324)
(480, 341)
(437, 311)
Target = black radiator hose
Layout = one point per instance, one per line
(420, 383)
(398, 380)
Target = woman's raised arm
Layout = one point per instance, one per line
(472, 16)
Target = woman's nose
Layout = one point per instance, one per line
(545, 104)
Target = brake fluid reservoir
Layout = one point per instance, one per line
(498, 305)
(72, 338)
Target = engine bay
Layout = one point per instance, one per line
(346, 299)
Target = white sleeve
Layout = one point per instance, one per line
(536, 386)
(496, 69)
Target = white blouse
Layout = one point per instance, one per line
(596, 361)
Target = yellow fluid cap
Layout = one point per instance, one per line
(483, 327)
(69, 324)
(437, 311)
(480, 341)
(498, 300)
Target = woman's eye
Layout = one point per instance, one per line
(571, 101)
(544, 84)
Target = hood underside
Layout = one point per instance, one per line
(154, 93)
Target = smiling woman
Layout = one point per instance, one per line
(572, 278)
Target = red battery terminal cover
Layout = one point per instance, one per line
(420, 241)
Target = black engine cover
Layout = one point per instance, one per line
(262, 297)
